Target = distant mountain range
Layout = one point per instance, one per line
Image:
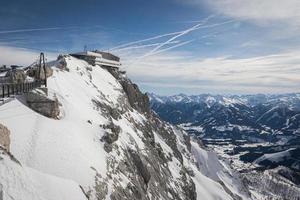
(258, 114)
(260, 130)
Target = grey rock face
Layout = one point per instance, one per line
(147, 170)
(271, 185)
(38, 101)
(136, 98)
(34, 72)
(110, 136)
(49, 72)
(189, 188)
(141, 168)
(4, 137)
(187, 141)
(4, 151)
(167, 133)
(16, 76)
(107, 110)
(62, 63)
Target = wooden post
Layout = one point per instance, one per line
(3, 91)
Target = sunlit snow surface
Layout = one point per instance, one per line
(59, 155)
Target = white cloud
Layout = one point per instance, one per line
(276, 73)
(179, 71)
(182, 71)
(20, 56)
(259, 10)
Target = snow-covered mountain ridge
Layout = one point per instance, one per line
(250, 100)
(257, 133)
(106, 144)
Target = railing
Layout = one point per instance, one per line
(4, 79)
(9, 89)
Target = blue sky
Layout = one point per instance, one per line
(185, 46)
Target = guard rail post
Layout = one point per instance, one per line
(3, 92)
(8, 90)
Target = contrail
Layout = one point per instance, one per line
(157, 37)
(197, 26)
(145, 40)
(143, 46)
(61, 28)
(172, 47)
(179, 34)
(138, 59)
(216, 24)
(173, 38)
(118, 30)
(166, 49)
(31, 30)
(194, 21)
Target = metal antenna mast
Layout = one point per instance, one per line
(41, 65)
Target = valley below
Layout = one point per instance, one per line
(257, 135)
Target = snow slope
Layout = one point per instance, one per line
(274, 157)
(20, 182)
(58, 156)
(219, 171)
(68, 147)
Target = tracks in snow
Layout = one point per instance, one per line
(33, 141)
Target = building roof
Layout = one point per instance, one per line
(108, 55)
(99, 54)
(100, 57)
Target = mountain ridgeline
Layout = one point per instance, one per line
(249, 117)
(104, 142)
(91, 134)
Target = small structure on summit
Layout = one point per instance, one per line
(101, 58)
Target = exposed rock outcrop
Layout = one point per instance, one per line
(34, 72)
(16, 76)
(148, 169)
(271, 185)
(110, 143)
(4, 137)
(62, 64)
(39, 101)
(136, 98)
(140, 166)
(110, 136)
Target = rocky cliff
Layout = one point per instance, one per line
(109, 143)
(4, 137)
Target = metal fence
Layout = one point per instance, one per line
(4, 79)
(9, 89)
